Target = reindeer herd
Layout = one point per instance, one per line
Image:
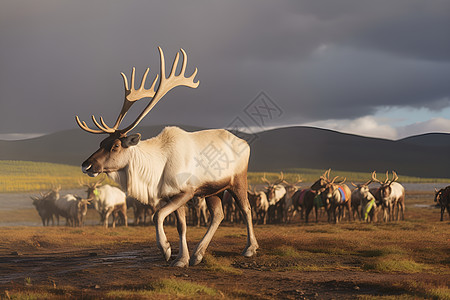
(279, 202)
(282, 200)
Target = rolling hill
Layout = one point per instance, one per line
(274, 150)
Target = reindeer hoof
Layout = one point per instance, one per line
(167, 253)
(180, 263)
(195, 260)
(250, 251)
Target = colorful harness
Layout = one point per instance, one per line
(368, 207)
(343, 196)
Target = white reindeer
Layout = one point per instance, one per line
(73, 208)
(175, 165)
(108, 200)
(391, 194)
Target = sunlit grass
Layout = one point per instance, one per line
(171, 287)
(395, 263)
(26, 176)
(220, 264)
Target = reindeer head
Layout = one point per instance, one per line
(271, 188)
(363, 188)
(332, 187)
(91, 187)
(385, 188)
(291, 187)
(321, 183)
(114, 153)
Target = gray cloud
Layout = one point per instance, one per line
(316, 60)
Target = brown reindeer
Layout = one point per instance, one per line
(442, 197)
(260, 205)
(290, 209)
(45, 205)
(175, 165)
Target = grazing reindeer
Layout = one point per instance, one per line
(361, 196)
(442, 197)
(391, 194)
(275, 194)
(175, 165)
(290, 209)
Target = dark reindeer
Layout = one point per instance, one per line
(442, 197)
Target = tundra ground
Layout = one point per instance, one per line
(406, 260)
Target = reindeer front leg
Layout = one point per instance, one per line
(174, 203)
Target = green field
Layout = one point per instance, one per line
(26, 176)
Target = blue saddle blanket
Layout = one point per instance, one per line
(343, 197)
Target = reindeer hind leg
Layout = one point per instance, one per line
(239, 192)
(216, 211)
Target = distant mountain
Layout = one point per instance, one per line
(273, 150)
(429, 139)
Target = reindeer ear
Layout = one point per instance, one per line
(131, 140)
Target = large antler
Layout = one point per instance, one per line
(132, 95)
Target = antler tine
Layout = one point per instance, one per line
(83, 126)
(395, 176)
(368, 182)
(342, 182)
(166, 84)
(280, 179)
(332, 181)
(374, 178)
(387, 177)
(264, 179)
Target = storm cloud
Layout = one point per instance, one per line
(343, 61)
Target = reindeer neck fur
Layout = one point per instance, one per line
(140, 178)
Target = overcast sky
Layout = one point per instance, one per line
(374, 68)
